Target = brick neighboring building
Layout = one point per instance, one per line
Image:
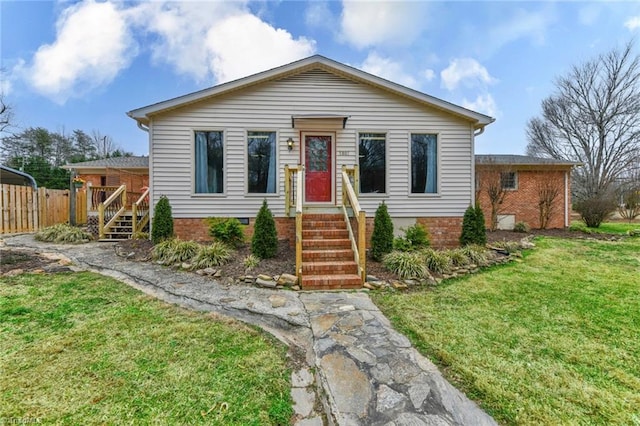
(131, 171)
(522, 178)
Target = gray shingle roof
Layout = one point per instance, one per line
(521, 160)
(114, 162)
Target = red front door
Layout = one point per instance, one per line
(317, 172)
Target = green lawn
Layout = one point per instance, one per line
(616, 227)
(84, 349)
(554, 339)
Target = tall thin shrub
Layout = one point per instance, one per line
(264, 243)
(382, 236)
(162, 226)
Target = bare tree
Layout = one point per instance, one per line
(548, 191)
(593, 118)
(494, 180)
(104, 144)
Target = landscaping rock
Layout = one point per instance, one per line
(269, 283)
(14, 272)
(287, 280)
(301, 378)
(303, 401)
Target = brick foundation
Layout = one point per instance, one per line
(198, 230)
(444, 232)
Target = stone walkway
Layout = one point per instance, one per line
(359, 370)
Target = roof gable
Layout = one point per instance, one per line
(142, 115)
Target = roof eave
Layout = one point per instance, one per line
(142, 115)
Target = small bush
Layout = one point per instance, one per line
(214, 254)
(227, 230)
(63, 233)
(595, 210)
(633, 232)
(480, 228)
(458, 257)
(402, 244)
(521, 227)
(251, 261)
(473, 227)
(265, 237)
(139, 235)
(405, 264)
(436, 261)
(477, 255)
(162, 251)
(579, 227)
(382, 236)
(162, 226)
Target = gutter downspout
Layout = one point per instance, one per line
(142, 126)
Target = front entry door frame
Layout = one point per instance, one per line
(303, 160)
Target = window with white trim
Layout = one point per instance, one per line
(209, 162)
(372, 162)
(262, 170)
(424, 163)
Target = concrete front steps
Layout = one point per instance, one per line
(327, 257)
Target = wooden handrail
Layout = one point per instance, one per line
(349, 196)
(298, 196)
(141, 204)
(119, 195)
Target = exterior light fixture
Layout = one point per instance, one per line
(289, 144)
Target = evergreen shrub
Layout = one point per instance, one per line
(264, 243)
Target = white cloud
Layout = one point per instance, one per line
(93, 43)
(633, 23)
(523, 24)
(465, 71)
(318, 15)
(388, 69)
(243, 45)
(429, 74)
(203, 40)
(484, 104)
(375, 23)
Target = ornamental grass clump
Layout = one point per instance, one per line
(436, 261)
(214, 254)
(251, 261)
(405, 265)
(458, 257)
(264, 243)
(477, 255)
(63, 233)
(175, 251)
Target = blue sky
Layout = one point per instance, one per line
(70, 65)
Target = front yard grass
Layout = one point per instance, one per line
(553, 339)
(84, 349)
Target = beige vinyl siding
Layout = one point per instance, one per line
(269, 106)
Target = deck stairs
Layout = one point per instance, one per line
(327, 257)
(122, 229)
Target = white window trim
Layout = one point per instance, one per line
(195, 194)
(438, 193)
(246, 165)
(386, 164)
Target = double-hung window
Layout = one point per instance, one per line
(372, 162)
(209, 162)
(508, 180)
(424, 163)
(261, 162)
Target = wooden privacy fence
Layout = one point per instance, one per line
(23, 209)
